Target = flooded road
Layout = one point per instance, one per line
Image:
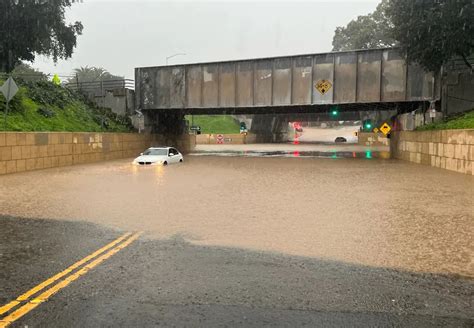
(365, 211)
(309, 150)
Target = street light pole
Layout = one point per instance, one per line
(174, 55)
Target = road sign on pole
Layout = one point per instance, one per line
(385, 128)
(9, 90)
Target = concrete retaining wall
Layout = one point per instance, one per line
(372, 139)
(448, 149)
(22, 151)
(236, 139)
(409, 121)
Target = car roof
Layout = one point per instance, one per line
(160, 147)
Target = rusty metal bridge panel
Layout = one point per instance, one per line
(363, 76)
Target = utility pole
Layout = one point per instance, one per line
(174, 55)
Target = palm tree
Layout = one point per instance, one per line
(93, 74)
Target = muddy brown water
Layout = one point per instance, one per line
(382, 213)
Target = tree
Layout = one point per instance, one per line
(93, 74)
(366, 32)
(433, 32)
(27, 73)
(31, 27)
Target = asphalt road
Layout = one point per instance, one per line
(174, 283)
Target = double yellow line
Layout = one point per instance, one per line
(95, 259)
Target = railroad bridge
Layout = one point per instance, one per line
(354, 81)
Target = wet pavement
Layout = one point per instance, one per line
(32, 250)
(171, 282)
(244, 241)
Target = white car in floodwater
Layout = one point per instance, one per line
(159, 156)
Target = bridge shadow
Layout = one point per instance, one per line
(175, 282)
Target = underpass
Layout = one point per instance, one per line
(304, 232)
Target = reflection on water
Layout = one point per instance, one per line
(159, 172)
(291, 153)
(374, 212)
(134, 169)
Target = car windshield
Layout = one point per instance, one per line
(157, 151)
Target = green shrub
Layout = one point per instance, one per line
(465, 121)
(46, 112)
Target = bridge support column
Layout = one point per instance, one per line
(165, 123)
(270, 128)
(170, 129)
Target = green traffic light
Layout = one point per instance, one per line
(334, 112)
(368, 126)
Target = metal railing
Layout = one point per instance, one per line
(101, 86)
(458, 64)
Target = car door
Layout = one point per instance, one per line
(179, 156)
(173, 155)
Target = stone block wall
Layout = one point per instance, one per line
(372, 139)
(25, 151)
(448, 149)
(236, 139)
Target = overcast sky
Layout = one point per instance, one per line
(120, 35)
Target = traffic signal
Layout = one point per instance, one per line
(368, 125)
(243, 128)
(334, 112)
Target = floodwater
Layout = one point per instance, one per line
(369, 211)
(310, 150)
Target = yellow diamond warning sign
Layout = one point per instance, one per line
(323, 86)
(385, 128)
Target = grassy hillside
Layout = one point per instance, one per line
(465, 121)
(43, 106)
(215, 123)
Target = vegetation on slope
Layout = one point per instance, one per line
(214, 124)
(465, 121)
(44, 106)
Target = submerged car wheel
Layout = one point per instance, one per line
(181, 160)
(165, 163)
